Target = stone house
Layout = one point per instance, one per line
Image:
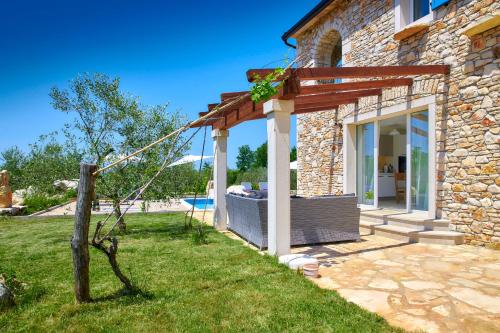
(432, 148)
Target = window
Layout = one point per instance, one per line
(329, 52)
(336, 58)
(411, 11)
(421, 8)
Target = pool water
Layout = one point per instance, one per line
(200, 203)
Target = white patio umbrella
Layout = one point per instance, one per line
(189, 159)
(293, 165)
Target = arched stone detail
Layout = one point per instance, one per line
(325, 48)
(325, 40)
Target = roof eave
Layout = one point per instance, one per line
(306, 21)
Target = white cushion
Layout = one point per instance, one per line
(246, 185)
(238, 189)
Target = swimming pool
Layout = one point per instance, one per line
(200, 203)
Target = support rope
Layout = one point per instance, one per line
(182, 129)
(198, 181)
(143, 188)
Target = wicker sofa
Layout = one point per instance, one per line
(314, 220)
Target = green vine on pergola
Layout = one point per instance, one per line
(267, 87)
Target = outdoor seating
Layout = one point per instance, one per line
(247, 185)
(314, 220)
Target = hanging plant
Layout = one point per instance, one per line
(267, 87)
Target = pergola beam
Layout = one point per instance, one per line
(347, 86)
(251, 111)
(328, 97)
(246, 112)
(319, 109)
(290, 88)
(206, 122)
(326, 73)
(325, 105)
(212, 106)
(231, 95)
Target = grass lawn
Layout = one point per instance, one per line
(222, 286)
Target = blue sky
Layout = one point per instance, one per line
(182, 52)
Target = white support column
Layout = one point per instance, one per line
(278, 175)
(349, 158)
(220, 178)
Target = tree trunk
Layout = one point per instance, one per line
(111, 254)
(118, 214)
(80, 239)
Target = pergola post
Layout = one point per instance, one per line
(278, 175)
(220, 178)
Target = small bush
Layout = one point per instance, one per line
(70, 194)
(199, 236)
(39, 201)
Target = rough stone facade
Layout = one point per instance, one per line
(467, 103)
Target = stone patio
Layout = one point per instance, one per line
(435, 288)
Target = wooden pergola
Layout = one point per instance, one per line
(293, 98)
(318, 96)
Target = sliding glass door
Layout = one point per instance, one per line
(419, 143)
(365, 158)
(393, 162)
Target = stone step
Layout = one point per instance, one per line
(396, 232)
(372, 218)
(405, 220)
(441, 237)
(383, 215)
(421, 225)
(414, 236)
(368, 226)
(441, 225)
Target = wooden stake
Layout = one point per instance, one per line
(80, 239)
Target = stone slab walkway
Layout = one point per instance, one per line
(435, 288)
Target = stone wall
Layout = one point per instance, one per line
(467, 104)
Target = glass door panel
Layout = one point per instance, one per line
(419, 142)
(365, 161)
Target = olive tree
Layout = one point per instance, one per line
(111, 124)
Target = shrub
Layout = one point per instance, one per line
(39, 201)
(70, 194)
(254, 176)
(293, 180)
(47, 161)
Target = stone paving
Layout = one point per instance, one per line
(434, 288)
